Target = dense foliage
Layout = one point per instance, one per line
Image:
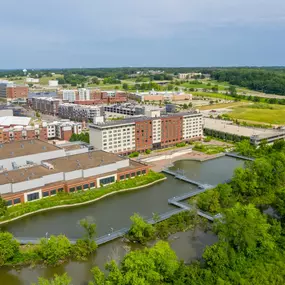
(267, 81)
(83, 137)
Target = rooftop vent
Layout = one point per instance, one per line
(1, 145)
(22, 146)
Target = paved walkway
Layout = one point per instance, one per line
(194, 155)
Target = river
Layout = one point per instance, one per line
(113, 213)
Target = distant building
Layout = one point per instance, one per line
(83, 94)
(46, 105)
(156, 96)
(79, 112)
(53, 83)
(19, 133)
(32, 80)
(46, 94)
(63, 130)
(12, 121)
(69, 95)
(11, 91)
(184, 76)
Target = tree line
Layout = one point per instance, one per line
(263, 80)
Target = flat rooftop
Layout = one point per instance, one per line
(26, 147)
(141, 118)
(14, 120)
(228, 127)
(64, 164)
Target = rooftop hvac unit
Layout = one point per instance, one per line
(14, 165)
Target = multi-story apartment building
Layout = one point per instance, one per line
(83, 94)
(142, 133)
(63, 130)
(11, 91)
(69, 95)
(46, 105)
(79, 112)
(19, 133)
(156, 96)
(125, 109)
(32, 170)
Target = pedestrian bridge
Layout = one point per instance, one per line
(182, 177)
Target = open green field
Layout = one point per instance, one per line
(44, 80)
(222, 105)
(271, 114)
(212, 95)
(205, 85)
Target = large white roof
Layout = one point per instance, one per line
(14, 120)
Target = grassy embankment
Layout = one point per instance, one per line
(68, 199)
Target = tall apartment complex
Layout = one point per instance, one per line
(142, 133)
(11, 91)
(69, 95)
(79, 112)
(46, 105)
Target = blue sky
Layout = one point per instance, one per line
(110, 33)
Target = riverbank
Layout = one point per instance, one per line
(66, 200)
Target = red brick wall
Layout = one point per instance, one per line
(43, 134)
(17, 92)
(143, 135)
(171, 130)
(66, 135)
(30, 134)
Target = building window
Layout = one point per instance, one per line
(122, 177)
(45, 194)
(17, 201)
(53, 192)
(127, 176)
(71, 189)
(85, 186)
(79, 187)
(138, 173)
(107, 180)
(33, 196)
(9, 203)
(143, 172)
(92, 185)
(133, 174)
(60, 190)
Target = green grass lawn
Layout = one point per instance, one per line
(44, 80)
(212, 95)
(271, 114)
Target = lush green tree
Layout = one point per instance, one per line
(3, 207)
(157, 265)
(57, 280)
(245, 229)
(54, 249)
(9, 247)
(209, 201)
(87, 245)
(125, 86)
(140, 230)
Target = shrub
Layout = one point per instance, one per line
(54, 249)
(9, 247)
